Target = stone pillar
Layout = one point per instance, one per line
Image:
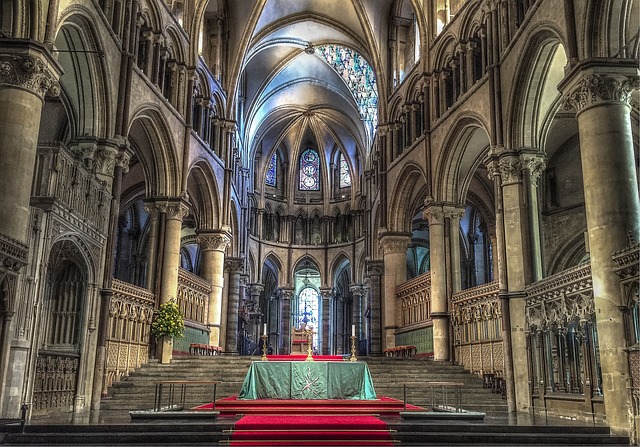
(534, 164)
(234, 267)
(27, 74)
(375, 271)
(455, 214)
(601, 96)
(254, 290)
(394, 247)
(328, 321)
(284, 295)
(174, 212)
(439, 300)
(212, 246)
(358, 291)
(518, 270)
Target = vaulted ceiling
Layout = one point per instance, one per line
(290, 95)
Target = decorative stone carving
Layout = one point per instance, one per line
(535, 165)
(234, 265)
(394, 243)
(13, 253)
(434, 214)
(29, 73)
(175, 210)
(215, 241)
(455, 213)
(510, 169)
(595, 87)
(285, 293)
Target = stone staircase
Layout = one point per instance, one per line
(136, 392)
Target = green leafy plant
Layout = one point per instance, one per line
(168, 321)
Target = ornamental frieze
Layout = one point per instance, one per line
(29, 73)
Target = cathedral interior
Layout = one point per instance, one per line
(456, 175)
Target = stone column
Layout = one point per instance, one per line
(533, 164)
(394, 247)
(375, 272)
(213, 245)
(27, 74)
(234, 267)
(518, 269)
(358, 291)
(174, 212)
(284, 295)
(439, 300)
(328, 321)
(601, 96)
(455, 214)
(254, 290)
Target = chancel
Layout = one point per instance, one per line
(399, 197)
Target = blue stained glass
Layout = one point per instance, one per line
(308, 311)
(309, 171)
(345, 175)
(272, 170)
(356, 72)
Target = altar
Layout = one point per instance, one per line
(307, 380)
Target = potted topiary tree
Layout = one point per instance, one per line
(168, 323)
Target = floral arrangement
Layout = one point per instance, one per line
(168, 321)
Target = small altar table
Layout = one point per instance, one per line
(308, 380)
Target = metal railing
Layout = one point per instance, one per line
(436, 396)
(174, 393)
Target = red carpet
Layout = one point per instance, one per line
(282, 430)
(230, 406)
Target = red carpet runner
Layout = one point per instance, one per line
(319, 430)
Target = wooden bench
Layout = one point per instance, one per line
(400, 351)
(203, 349)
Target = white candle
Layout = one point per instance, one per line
(264, 330)
(353, 330)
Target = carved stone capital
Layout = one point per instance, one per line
(30, 70)
(105, 160)
(454, 213)
(510, 169)
(535, 164)
(285, 293)
(234, 265)
(374, 268)
(327, 293)
(174, 210)
(357, 289)
(218, 241)
(434, 213)
(255, 288)
(394, 242)
(596, 88)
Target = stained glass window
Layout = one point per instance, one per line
(308, 311)
(345, 175)
(356, 72)
(309, 171)
(272, 170)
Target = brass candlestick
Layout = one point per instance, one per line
(309, 340)
(264, 348)
(353, 349)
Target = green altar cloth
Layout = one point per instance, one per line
(308, 380)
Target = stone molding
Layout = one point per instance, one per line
(30, 73)
(327, 293)
(218, 241)
(375, 268)
(357, 289)
(597, 88)
(255, 288)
